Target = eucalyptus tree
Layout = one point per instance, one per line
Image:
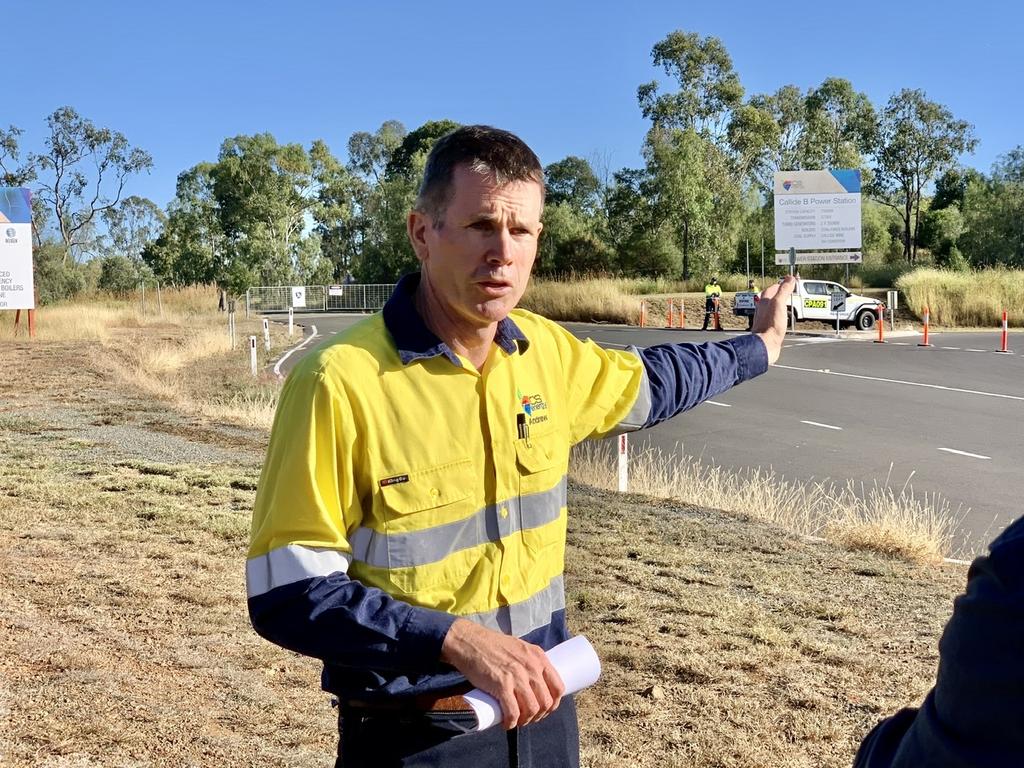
(993, 213)
(841, 126)
(918, 140)
(701, 145)
(131, 226)
(81, 174)
(13, 172)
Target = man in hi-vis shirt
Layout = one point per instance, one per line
(410, 522)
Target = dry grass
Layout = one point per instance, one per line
(966, 299)
(178, 351)
(882, 519)
(124, 639)
(616, 300)
(599, 299)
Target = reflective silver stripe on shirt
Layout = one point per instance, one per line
(431, 545)
(641, 410)
(291, 563)
(522, 618)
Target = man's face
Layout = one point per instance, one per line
(477, 263)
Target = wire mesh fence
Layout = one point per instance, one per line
(318, 298)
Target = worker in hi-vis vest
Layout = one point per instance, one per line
(712, 295)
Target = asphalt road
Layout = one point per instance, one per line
(947, 418)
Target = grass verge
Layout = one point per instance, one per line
(966, 299)
(124, 640)
(882, 519)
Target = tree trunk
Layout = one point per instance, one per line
(686, 250)
(907, 215)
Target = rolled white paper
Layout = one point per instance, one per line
(576, 663)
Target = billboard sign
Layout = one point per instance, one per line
(817, 210)
(16, 288)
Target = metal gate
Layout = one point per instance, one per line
(318, 298)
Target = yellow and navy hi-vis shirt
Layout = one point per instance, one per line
(712, 289)
(403, 488)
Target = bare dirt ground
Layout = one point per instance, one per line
(124, 639)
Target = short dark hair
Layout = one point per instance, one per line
(491, 151)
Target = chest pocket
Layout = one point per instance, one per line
(426, 519)
(542, 465)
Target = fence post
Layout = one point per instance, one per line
(623, 463)
(246, 303)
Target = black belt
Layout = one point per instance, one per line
(441, 701)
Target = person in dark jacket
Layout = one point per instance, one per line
(974, 716)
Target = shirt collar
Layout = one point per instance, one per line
(414, 340)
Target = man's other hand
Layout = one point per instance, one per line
(517, 674)
(772, 316)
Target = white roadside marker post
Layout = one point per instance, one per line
(291, 321)
(252, 354)
(266, 334)
(623, 464)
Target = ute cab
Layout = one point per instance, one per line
(812, 300)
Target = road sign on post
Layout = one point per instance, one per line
(16, 286)
(837, 300)
(818, 211)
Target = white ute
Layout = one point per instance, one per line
(812, 301)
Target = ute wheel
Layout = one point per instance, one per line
(865, 320)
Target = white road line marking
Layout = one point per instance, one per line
(965, 453)
(720, 405)
(900, 381)
(901, 343)
(612, 343)
(977, 350)
(949, 347)
(819, 424)
(296, 348)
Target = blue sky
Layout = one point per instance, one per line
(178, 78)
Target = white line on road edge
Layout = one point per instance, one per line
(900, 381)
(296, 348)
(720, 405)
(610, 343)
(957, 348)
(977, 350)
(964, 453)
(818, 424)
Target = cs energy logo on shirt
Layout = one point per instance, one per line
(531, 404)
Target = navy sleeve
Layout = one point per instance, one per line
(684, 375)
(974, 716)
(345, 623)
